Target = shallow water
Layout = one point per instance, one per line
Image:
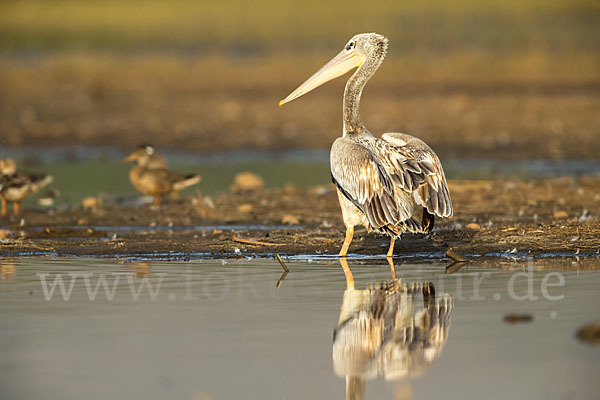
(222, 329)
(90, 171)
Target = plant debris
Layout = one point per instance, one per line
(518, 318)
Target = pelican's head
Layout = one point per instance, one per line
(8, 166)
(142, 155)
(362, 48)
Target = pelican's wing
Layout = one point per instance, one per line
(357, 171)
(418, 171)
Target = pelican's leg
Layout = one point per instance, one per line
(391, 262)
(157, 201)
(3, 213)
(349, 234)
(347, 273)
(16, 207)
(355, 387)
(390, 252)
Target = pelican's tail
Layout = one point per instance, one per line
(411, 225)
(428, 221)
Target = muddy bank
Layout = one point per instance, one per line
(495, 222)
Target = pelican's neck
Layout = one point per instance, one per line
(354, 87)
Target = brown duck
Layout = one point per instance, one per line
(16, 185)
(152, 177)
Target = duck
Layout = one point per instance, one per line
(17, 185)
(151, 176)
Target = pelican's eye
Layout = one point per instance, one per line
(350, 46)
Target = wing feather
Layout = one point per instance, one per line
(380, 176)
(428, 184)
(367, 184)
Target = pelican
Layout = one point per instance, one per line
(16, 185)
(151, 177)
(382, 183)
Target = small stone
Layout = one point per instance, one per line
(457, 257)
(246, 182)
(289, 219)
(473, 226)
(245, 208)
(321, 190)
(589, 333)
(289, 188)
(585, 216)
(208, 202)
(560, 214)
(90, 203)
(326, 224)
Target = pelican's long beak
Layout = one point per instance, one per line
(338, 66)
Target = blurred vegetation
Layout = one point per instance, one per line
(468, 76)
(241, 26)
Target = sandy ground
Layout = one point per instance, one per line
(494, 222)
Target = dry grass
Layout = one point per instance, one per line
(465, 105)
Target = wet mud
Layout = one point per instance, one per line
(495, 222)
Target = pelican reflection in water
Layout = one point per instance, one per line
(383, 183)
(391, 329)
